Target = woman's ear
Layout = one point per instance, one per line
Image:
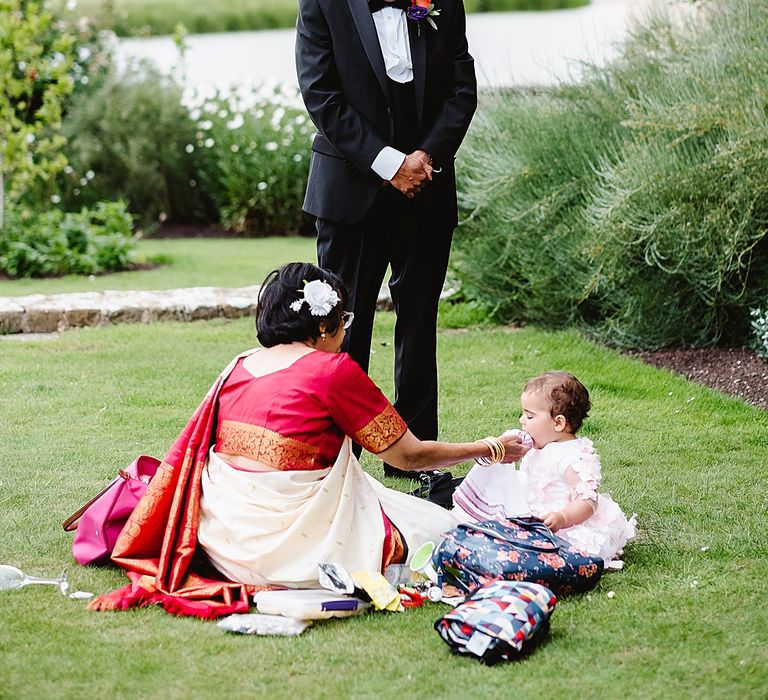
(561, 424)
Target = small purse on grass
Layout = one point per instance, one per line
(103, 517)
(516, 549)
(499, 622)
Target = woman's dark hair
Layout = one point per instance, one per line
(277, 322)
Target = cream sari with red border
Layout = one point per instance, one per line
(337, 511)
(273, 527)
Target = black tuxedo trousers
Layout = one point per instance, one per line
(403, 234)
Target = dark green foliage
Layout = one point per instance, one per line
(127, 140)
(635, 203)
(57, 243)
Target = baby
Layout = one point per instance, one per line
(558, 478)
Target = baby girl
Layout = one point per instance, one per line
(558, 478)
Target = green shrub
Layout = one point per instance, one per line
(152, 17)
(126, 140)
(520, 250)
(36, 59)
(147, 17)
(243, 167)
(254, 161)
(94, 240)
(636, 202)
(93, 60)
(44, 62)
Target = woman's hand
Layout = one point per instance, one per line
(513, 447)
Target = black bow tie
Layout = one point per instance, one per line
(376, 5)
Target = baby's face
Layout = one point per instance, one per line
(537, 421)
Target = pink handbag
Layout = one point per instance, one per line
(103, 517)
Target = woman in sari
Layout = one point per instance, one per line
(262, 484)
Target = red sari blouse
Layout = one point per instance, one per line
(297, 417)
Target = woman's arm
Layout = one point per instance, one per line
(409, 453)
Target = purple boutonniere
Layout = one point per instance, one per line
(421, 10)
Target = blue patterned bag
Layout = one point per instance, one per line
(499, 622)
(518, 549)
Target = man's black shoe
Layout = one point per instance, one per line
(438, 487)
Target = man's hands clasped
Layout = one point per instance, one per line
(414, 174)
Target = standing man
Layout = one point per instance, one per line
(391, 89)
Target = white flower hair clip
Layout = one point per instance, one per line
(321, 298)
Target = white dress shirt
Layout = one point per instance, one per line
(392, 29)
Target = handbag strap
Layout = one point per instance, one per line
(71, 522)
(499, 534)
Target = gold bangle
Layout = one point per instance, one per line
(494, 457)
(496, 449)
(493, 452)
(502, 449)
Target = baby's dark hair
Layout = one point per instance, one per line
(565, 394)
(277, 322)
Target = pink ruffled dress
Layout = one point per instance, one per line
(559, 473)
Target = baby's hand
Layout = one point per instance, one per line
(554, 521)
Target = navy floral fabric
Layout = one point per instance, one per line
(521, 549)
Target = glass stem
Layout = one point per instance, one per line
(37, 580)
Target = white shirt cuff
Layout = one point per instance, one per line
(387, 163)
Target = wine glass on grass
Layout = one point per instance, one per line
(12, 578)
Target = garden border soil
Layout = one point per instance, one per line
(738, 372)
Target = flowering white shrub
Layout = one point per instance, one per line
(760, 330)
(255, 151)
(238, 157)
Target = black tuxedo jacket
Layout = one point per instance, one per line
(345, 88)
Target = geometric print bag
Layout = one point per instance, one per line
(499, 622)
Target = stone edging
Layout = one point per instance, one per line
(40, 313)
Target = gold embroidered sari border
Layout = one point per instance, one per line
(264, 445)
(382, 431)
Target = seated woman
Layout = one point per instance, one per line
(262, 484)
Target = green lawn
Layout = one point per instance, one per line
(132, 17)
(191, 262)
(688, 618)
